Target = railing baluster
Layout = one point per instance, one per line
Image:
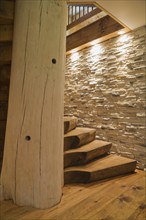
(77, 11)
(71, 13)
(68, 15)
(74, 12)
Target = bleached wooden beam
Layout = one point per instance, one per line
(32, 172)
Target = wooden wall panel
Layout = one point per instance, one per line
(6, 32)
(3, 110)
(5, 53)
(6, 10)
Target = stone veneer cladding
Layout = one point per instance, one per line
(105, 88)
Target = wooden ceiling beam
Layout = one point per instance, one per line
(98, 29)
(86, 23)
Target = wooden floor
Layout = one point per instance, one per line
(119, 198)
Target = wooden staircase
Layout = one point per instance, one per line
(86, 159)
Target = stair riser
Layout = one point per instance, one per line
(70, 125)
(66, 126)
(74, 159)
(71, 142)
(77, 141)
(76, 177)
(98, 152)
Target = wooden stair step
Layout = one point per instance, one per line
(86, 153)
(70, 123)
(78, 137)
(102, 168)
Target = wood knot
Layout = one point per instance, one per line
(137, 187)
(123, 186)
(107, 218)
(142, 206)
(123, 198)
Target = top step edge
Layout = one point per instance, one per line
(69, 118)
(89, 147)
(118, 161)
(79, 131)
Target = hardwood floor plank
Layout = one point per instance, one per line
(68, 200)
(139, 213)
(124, 204)
(96, 201)
(76, 210)
(80, 202)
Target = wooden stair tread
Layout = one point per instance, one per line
(89, 147)
(70, 123)
(86, 153)
(102, 168)
(102, 163)
(78, 137)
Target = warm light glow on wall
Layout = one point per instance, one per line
(93, 43)
(123, 38)
(121, 32)
(73, 51)
(74, 56)
(96, 49)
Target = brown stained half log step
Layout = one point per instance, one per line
(86, 153)
(102, 168)
(70, 123)
(78, 137)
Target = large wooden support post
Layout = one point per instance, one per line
(32, 172)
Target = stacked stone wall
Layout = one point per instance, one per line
(105, 87)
